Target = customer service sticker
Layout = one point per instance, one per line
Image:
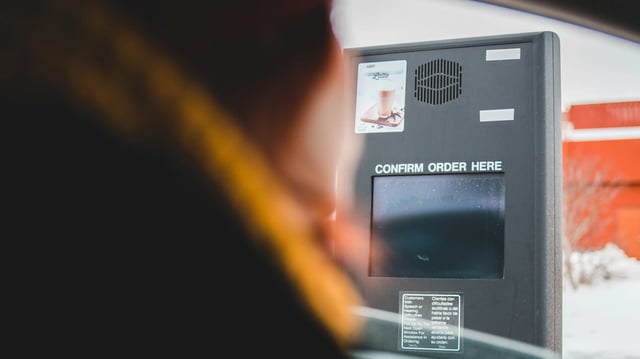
(431, 321)
(380, 96)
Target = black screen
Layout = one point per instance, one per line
(438, 226)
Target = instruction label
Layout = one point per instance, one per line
(431, 321)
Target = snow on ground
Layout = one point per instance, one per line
(603, 320)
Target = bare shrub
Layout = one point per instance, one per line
(588, 193)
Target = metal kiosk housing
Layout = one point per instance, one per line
(460, 184)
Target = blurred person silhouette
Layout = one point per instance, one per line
(172, 177)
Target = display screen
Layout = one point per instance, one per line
(438, 226)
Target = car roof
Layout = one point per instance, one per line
(615, 17)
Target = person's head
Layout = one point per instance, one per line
(275, 65)
(154, 138)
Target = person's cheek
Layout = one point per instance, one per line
(325, 141)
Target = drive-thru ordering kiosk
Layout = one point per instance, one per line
(460, 182)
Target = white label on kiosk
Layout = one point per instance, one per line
(431, 321)
(502, 54)
(497, 115)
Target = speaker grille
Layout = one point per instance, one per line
(438, 81)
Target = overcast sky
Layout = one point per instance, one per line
(594, 67)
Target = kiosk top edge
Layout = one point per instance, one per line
(451, 43)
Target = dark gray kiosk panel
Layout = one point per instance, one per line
(460, 182)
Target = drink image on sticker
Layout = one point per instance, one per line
(385, 99)
(380, 97)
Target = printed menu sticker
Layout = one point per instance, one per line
(431, 321)
(380, 96)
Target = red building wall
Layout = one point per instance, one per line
(601, 146)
